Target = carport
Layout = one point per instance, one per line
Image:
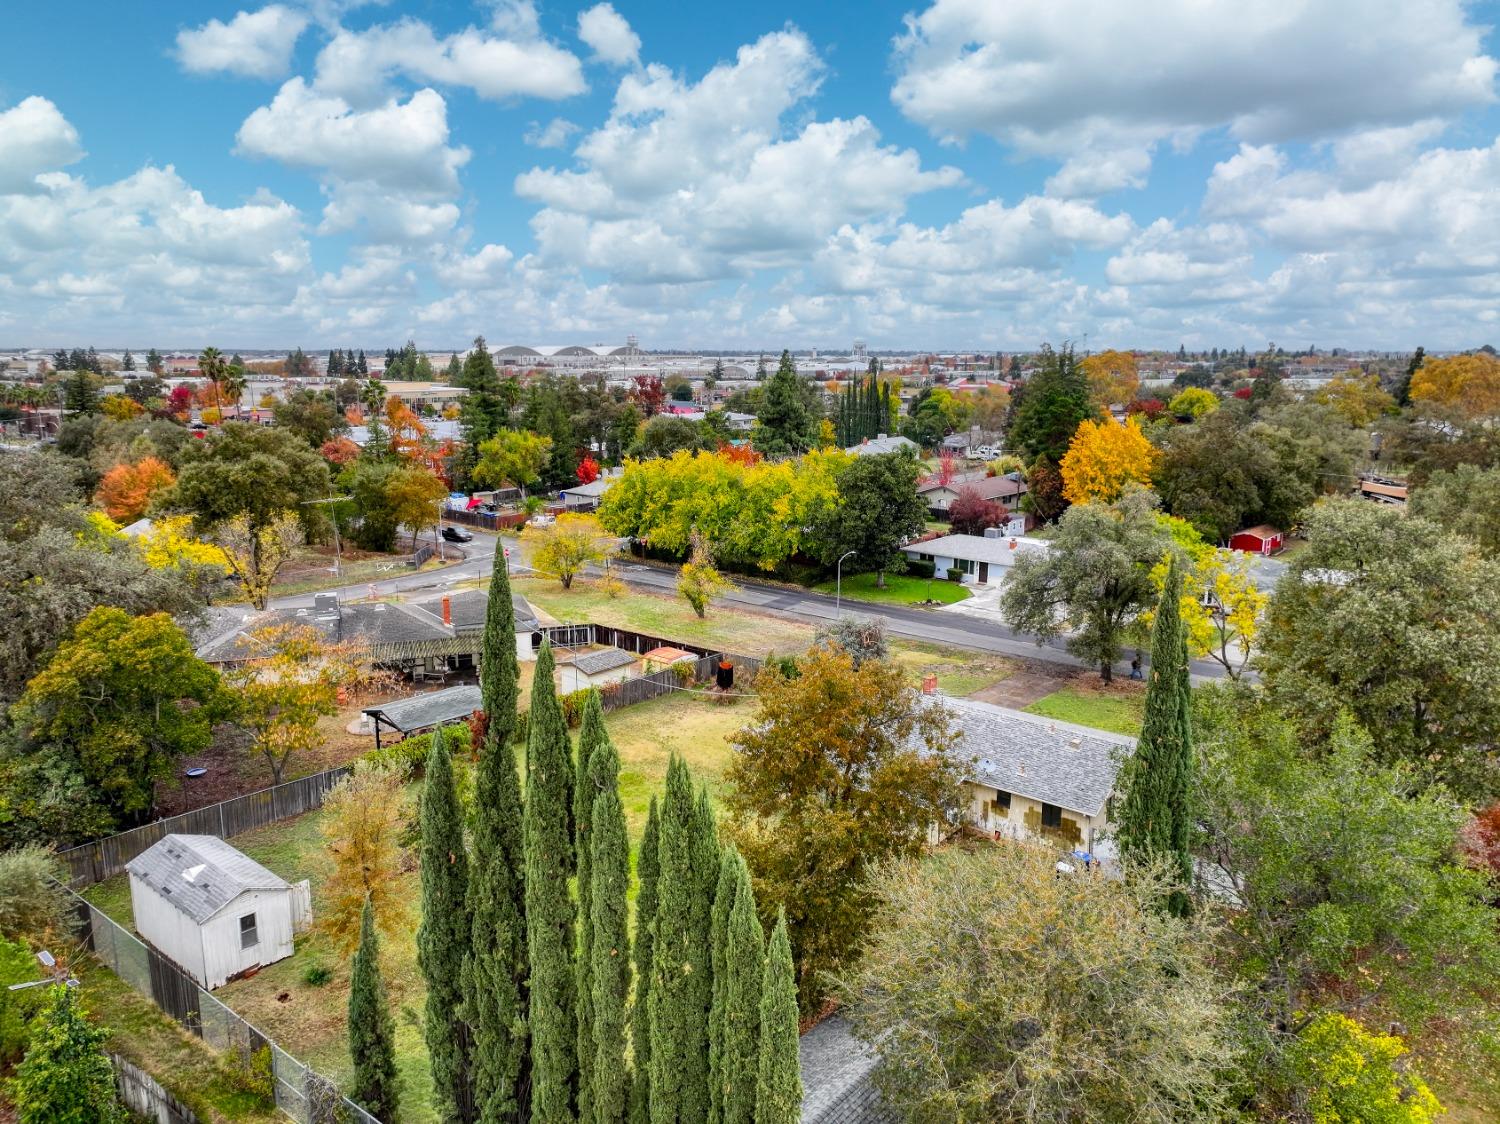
(425, 712)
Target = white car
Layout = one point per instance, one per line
(541, 519)
(985, 453)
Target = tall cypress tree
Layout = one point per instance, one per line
(744, 966)
(609, 946)
(550, 934)
(778, 1086)
(718, 950)
(443, 938)
(648, 870)
(591, 740)
(495, 972)
(1156, 820)
(372, 1035)
(681, 984)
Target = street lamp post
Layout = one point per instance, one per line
(838, 581)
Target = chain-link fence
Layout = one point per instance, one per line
(302, 1093)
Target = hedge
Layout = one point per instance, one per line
(919, 569)
(411, 754)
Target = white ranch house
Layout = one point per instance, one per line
(981, 559)
(212, 909)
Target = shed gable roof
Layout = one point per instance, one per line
(595, 663)
(200, 874)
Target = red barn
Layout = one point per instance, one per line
(1264, 539)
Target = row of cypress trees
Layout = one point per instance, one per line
(540, 1007)
(866, 409)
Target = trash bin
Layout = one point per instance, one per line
(724, 675)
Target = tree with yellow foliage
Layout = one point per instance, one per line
(1103, 457)
(364, 816)
(256, 553)
(1221, 607)
(1466, 384)
(120, 408)
(561, 549)
(1194, 402)
(1113, 377)
(126, 490)
(1357, 397)
(700, 581)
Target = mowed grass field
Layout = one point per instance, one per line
(900, 589)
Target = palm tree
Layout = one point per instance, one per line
(233, 383)
(214, 367)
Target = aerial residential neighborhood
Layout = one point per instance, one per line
(609, 564)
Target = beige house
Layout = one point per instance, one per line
(1033, 778)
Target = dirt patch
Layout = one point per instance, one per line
(1023, 688)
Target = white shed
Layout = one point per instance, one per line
(595, 669)
(213, 910)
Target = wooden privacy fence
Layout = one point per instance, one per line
(103, 858)
(300, 1092)
(628, 692)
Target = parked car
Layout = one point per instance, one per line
(457, 534)
(985, 453)
(541, 519)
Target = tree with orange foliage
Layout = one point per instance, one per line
(126, 490)
(1467, 384)
(339, 451)
(744, 454)
(1103, 457)
(408, 434)
(1113, 377)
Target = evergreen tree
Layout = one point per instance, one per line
(648, 870)
(443, 937)
(744, 965)
(609, 945)
(454, 370)
(549, 906)
(681, 985)
(496, 968)
(372, 1035)
(784, 426)
(1403, 385)
(66, 1077)
(127, 362)
(591, 739)
(1056, 400)
(154, 361)
(1156, 820)
(364, 364)
(79, 396)
(778, 1087)
(718, 951)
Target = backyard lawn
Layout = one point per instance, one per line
(1116, 707)
(900, 589)
(308, 1021)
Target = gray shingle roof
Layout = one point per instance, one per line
(836, 1072)
(594, 663)
(370, 622)
(1058, 763)
(975, 548)
(469, 609)
(879, 446)
(200, 874)
(435, 708)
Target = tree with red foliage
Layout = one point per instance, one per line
(970, 513)
(739, 454)
(1152, 407)
(1480, 840)
(1243, 393)
(945, 469)
(588, 469)
(649, 394)
(180, 400)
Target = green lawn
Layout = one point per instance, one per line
(309, 1021)
(1116, 709)
(900, 589)
(958, 672)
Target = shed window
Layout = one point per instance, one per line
(1002, 801)
(249, 938)
(1051, 815)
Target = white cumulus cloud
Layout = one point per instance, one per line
(609, 35)
(34, 137)
(252, 44)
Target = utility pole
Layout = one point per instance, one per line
(336, 547)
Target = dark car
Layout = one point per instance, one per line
(457, 534)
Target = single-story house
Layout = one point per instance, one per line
(1005, 490)
(586, 497)
(213, 910)
(465, 613)
(981, 559)
(1264, 539)
(876, 446)
(1033, 778)
(595, 669)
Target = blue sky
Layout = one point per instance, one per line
(955, 173)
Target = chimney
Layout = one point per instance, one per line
(447, 609)
(929, 684)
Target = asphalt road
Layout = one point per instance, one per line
(944, 629)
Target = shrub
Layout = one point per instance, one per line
(954, 575)
(317, 975)
(250, 1071)
(31, 905)
(572, 707)
(411, 754)
(919, 569)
